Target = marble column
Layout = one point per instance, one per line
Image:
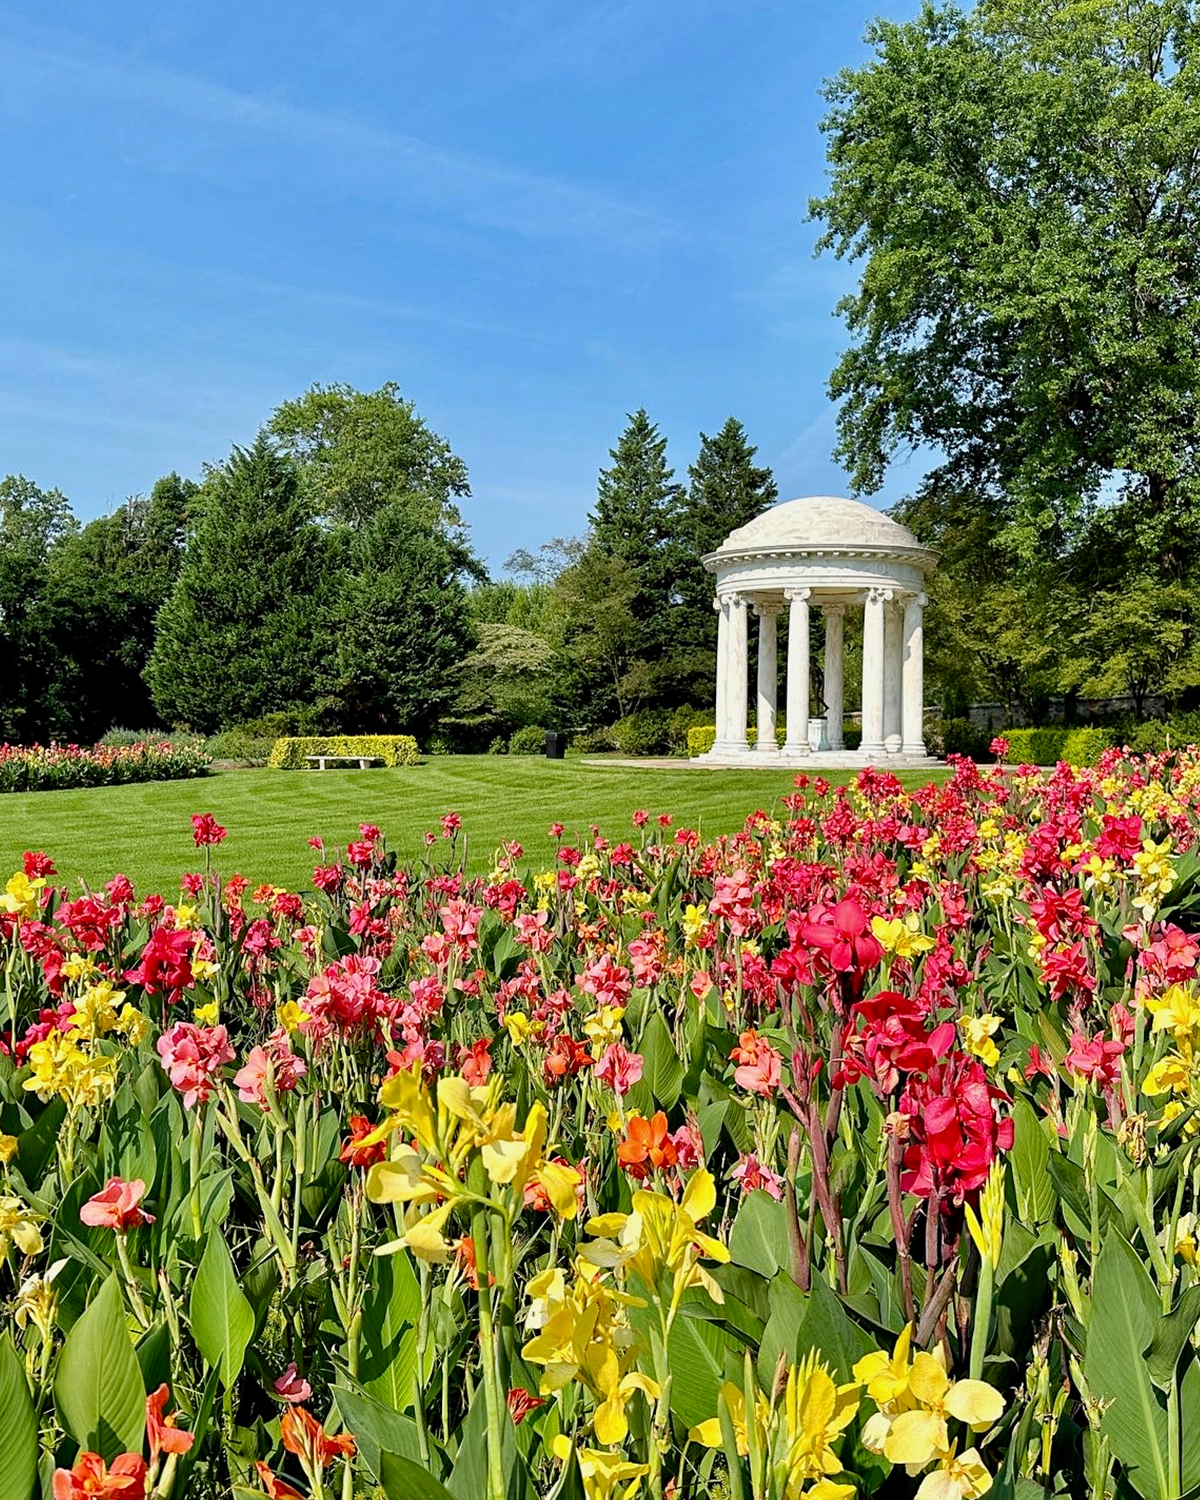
(872, 672)
(892, 652)
(739, 672)
(914, 675)
(796, 737)
(722, 715)
(768, 677)
(835, 675)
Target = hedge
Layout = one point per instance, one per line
(701, 738)
(1046, 747)
(291, 751)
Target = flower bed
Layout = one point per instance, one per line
(855, 1153)
(55, 768)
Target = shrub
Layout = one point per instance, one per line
(646, 732)
(290, 751)
(55, 768)
(1155, 735)
(592, 741)
(1046, 747)
(701, 737)
(959, 737)
(241, 745)
(528, 741)
(122, 739)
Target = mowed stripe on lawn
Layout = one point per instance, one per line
(144, 831)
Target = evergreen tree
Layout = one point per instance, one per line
(727, 490)
(636, 524)
(240, 634)
(403, 625)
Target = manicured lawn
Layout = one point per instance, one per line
(145, 831)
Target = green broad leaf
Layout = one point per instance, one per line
(402, 1479)
(1171, 1334)
(388, 1356)
(711, 1118)
(759, 1237)
(468, 1479)
(18, 1422)
(663, 1069)
(222, 1319)
(1029, 1156)
(828, 1328)
(697, 1352)
(1189, 1425)
(36, 1146)
(1124, 1317)
(789, 1307)
(377, 1429)
(154, 1357)
(99, 1393)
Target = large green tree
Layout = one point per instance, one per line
(403, 626)
(727, 489)
(635, 527)
(243, 630)
(358, 451)
(34, 703)
(104, 588)
(1019, 184)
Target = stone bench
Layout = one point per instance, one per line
(363, 762)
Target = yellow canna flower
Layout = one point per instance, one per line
(292, 1016)
(961, 1477)
(660, 1236)
(207, 1015)
(21, 895)
(886, 1377)
(1170, 1075)
(187, 917)
(987, 1230)
(79, 966)
(606, 1476)
(977, 1032)
(203, 968)
(8, 1149)
(901, 936)
(18, 1227)
(921, 1434)
(709, 1433)
(132, 1025)
(603, 1028)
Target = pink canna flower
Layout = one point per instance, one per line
(291, 1386)
(116, 1206)
(193, 1057)
(619, 1068)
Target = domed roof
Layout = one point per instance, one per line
(819, 523)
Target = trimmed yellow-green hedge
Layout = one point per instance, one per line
(290, 752)
(1046, 747)
(702, 737)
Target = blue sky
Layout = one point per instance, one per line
(534, 216)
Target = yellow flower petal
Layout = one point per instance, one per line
(915, 1437)
(976, 1403)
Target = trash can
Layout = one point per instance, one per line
(556, 744)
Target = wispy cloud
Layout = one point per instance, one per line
(346, 152)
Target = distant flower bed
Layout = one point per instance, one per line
(55, 768)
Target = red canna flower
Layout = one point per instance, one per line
(353, 1152)
(206, 830)
(521, 1403)
(842, 941)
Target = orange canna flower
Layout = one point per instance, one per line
(91, 1477)
(276, 1488)
(164, 1436)
(304, 1436)
(647, 1145)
